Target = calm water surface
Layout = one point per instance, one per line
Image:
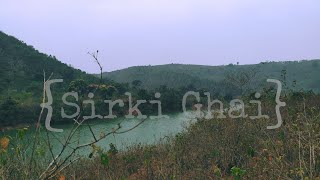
(149, 132)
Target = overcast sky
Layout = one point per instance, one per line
(143, 32)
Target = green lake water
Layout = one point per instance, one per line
(149, 132)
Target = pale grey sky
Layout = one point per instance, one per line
(143, 32)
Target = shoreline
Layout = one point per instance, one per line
(18, 126)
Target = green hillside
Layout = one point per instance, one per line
(21, 80)
(22, 66)
(296, 74)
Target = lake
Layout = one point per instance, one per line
(149, 132)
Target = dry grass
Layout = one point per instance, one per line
(209, 149)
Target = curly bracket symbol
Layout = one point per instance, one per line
(48, 104)
(279, 103)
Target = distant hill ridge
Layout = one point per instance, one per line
(300, 74)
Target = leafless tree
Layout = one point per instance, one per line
(64, 158)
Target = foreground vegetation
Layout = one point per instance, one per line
(225, 148)
(208, 149)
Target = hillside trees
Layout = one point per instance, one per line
(8, 112)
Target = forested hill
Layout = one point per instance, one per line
(21, 79)
(295, 74)
(22, 66)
